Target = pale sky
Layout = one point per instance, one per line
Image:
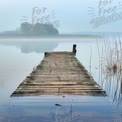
(71, 15)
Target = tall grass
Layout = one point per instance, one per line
(110, 67)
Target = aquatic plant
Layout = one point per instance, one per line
(112, 61)
(110, 68)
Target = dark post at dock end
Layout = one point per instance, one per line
(45, 54)
(74, 49)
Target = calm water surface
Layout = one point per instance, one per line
(18, 58)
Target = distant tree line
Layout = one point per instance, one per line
(38, 29)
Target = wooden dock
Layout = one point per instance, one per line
(59, 73)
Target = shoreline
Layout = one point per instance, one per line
(39, 38)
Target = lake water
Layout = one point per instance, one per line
(17, 60)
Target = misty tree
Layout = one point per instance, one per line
(26, 27)
(38, 29)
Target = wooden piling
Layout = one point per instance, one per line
(74, 49)
(45, 54)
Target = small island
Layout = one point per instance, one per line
(42, 30)
(32, 30)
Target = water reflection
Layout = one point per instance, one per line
(73, 109)
(16, 65)
(2, 84)
(111, 69)
(32, 46)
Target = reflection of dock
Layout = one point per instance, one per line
(59, 73)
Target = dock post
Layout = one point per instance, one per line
(45, 54)
(74, 49)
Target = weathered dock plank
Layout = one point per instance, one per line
(59, 73)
